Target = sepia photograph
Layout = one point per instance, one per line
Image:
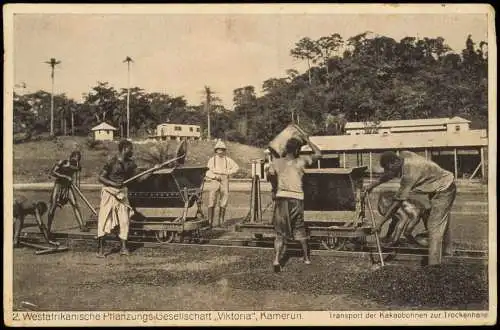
(249, 165)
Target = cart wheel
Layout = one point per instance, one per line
(164, 236)
(334, 243)
(181, 238)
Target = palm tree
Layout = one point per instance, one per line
(128, 60)
(52, 62)
(208, 99)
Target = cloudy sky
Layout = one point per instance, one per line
(180, 53)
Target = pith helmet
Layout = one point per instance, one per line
(220, 145)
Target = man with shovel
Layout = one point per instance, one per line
(422, 176)
(115, 209)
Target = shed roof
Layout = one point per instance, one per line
(410, 122)
(473, 138)
(103, 126)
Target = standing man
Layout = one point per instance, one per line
(65, 172)
(422, 176)
(115, 209)
(286, 177)
(220, 167)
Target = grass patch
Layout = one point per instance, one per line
(34, 160)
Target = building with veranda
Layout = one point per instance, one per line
(448, 142)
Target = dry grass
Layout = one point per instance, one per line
(33, 160)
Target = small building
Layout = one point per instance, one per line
(455, 124)
(177, 132)
(103, 132)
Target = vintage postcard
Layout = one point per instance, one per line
(249, 165)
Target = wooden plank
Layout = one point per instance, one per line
(483, 165)
(371, 170)
(475, 171)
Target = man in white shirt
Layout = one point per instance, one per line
(220, 167)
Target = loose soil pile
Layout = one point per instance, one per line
(447, 286)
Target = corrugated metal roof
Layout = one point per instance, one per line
(103, 126)
(474, 138)
(410, 122)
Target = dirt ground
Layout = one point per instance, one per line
(216, 278)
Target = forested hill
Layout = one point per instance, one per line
(364, 78)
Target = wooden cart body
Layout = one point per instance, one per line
(169, 201)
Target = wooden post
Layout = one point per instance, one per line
(252, 201)
(343, 160)
(371, 172)
(426, 154)
(319, 163)
(72, 123)
(483, 165)
(456, 163)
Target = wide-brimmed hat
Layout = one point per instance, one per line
(220, 145)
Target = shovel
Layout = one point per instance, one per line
(180, 158)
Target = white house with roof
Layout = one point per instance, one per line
(177, 132)
(455, 124)
(103, 132)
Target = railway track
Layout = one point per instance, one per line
(83, 241)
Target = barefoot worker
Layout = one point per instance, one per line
(65, 172)
(115, 209)
(23, 207)
(288, 218)
(412, 211)
(220, 167)
(422, 176)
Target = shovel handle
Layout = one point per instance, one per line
(83, 198)
(379, 248)
(151, 170)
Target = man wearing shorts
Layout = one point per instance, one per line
(288, 219)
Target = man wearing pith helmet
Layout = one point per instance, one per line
(220, 167)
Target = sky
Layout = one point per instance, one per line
(179, 54)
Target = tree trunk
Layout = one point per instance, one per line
(327, 73)
(121, 125)
(128, 100)
(309, 71)
(52, 106)
(207, 105)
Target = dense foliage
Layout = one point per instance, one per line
(366, 78)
